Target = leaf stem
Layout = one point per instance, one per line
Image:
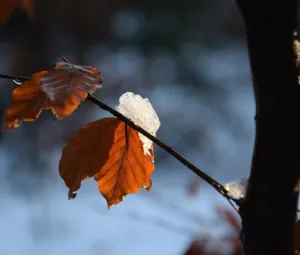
(215, 184)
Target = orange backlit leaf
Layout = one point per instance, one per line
(86, 152)
(127, 169)
(193, 187)
(200, 246)
(8, 6)
(27, 5)
(27, 102)
(297, 236)
(112, 152)
(67, 85)
(150, 157)
(6, 10)
(60, 89)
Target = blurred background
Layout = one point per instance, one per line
(190, 59)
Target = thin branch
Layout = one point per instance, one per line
(233, 206)
(18, 78)
(219, 187)
(215, 184)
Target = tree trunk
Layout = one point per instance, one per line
(269, 210)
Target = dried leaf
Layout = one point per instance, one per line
(60, 89)
(67, 85)
(27, 5)
(150, 157)
(87, 151)
(8, 6)
(231, 218)
(27, 102)
(200, 244)
(198, 247)
(112, 152)
(193, 187)
(6, 10)
(127, 169)
(297, 235)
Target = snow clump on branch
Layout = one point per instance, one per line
(237, 190)
(140, 111)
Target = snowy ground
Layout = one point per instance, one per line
(162, 222)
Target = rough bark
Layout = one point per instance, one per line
(269, 210)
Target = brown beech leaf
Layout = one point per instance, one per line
(198, 247)
(297, 236)
(86, 152)
(127, 169)
(193, 187)
(8, 6)
(27, 102)
(231, 218)
(66, 85)
(60, 89)
(112, 152)
(234, 222)
(150, 157)
(6, 10)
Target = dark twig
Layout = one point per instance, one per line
(18, 78)
(218, 186)
(233, 206)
